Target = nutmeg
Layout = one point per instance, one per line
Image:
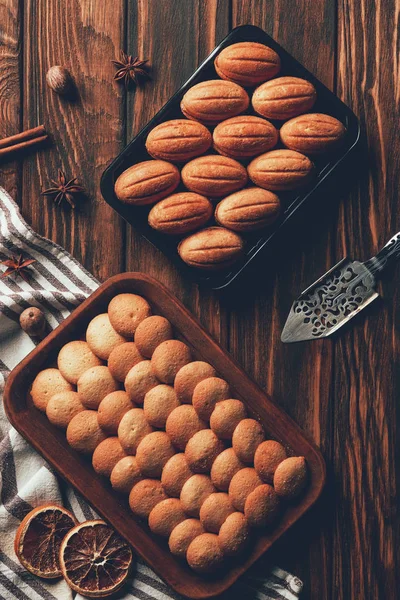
(214, 175)
(213, 101)
(314, 133)
(281, 170)
(284, 97)
(244, 136)
(248, 210)
(180, 213)
(33, 322)
(59, 80)
(247, 63)
(212, 248)
(178, 140)
(147, 182)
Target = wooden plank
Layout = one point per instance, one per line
(84, 37)
(175, 37)
(10, 90)
(297, 376)
(366, 459)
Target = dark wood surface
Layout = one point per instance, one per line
(343, 392)
(76, 469)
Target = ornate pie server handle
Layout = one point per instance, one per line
(389, 253)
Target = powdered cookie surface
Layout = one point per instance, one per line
(144, 496)
(168, 358)
(159, 402)
(175, 473)
(207, 393)
(194, 492)
(122, 359)
(246, 438)
(126, 311)
(153, 452)
(84, 433)
(46, 384)
(182, 536)
(107, 454)
(102, 337)
(226, 416)
(94, 385)
(111, 410)
(132, 429)
(140, 380)
(74, 359)
(62, 407)
(182, 423)
(165, 516)
(189, 376)
(151, 333)
(125, 474)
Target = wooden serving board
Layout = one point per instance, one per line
(77, 470)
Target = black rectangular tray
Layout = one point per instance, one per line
(260, 241)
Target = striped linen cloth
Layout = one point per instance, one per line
(57, 284)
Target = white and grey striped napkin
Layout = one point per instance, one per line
(58, 283)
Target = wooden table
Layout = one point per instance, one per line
(343, 392)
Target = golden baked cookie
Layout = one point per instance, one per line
(246, 438)
(122, 359)
(225, 417)
(62, 407)
(132, 429)
(189, 376)
(234, 534)
(47, 383)
(290, 477)
(214, 511)
(165, 516)
(202, 449)
(242, 484)
(247, 63)
(159, 402)
(204, 554)
(224, 468)
(168, 358)
(74, 359)
(111, 410)
(151, 333)
(262, 506)
(194, 491)
(153, 452)
(267, 457)
(144, 496)
(94, 385)
(102, 337)
(175, 473)
(140, 380)
(107, 454)
(84, 433)
(207, 393)
(182, 535)
(126, 311)
(182, 423)
(125, 474)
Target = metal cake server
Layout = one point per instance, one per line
(337, 296)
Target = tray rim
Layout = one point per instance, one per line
(207, 588)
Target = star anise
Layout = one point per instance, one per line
(64, 189)
(130, 69)
(17, 265)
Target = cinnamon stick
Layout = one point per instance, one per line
(22, 141)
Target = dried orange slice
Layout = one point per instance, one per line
(38, 539)
(94, 559)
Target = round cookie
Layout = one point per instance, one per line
(107, 454)
(47, 383)
(175, 473)
(122, 359)
(144, 496)
(234, 534)
(102, 337)
(182, 536)
(140, 380)
(246, 438)
(94, 385)
(189, 376)
(242, 484)
(214, 511)
(111, 410)
(151, 333)
(224, 468)
(132, 429)
(266, 459)
(202, 449)
(262, 506)
(153, 452)
(290, 477)
(158, 404)
(168, 358)
(204, 554)
(62, 407)
(74, 359)
(165, 516)
(84, 433)
(207, 393)
(182, 423)
(194, 491)
(125, 474)
(226, 416)
(126, 312)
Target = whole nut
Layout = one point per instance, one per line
(247, 63)
(214, 175)
(180, 213)
(281, 170)
(147, 182)
(212, 248)
(244, 136)
(213, 101)
(284, 98)
(59, 80)
(248, 210)
(33, 321)
(178, 140)
(313, 133)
